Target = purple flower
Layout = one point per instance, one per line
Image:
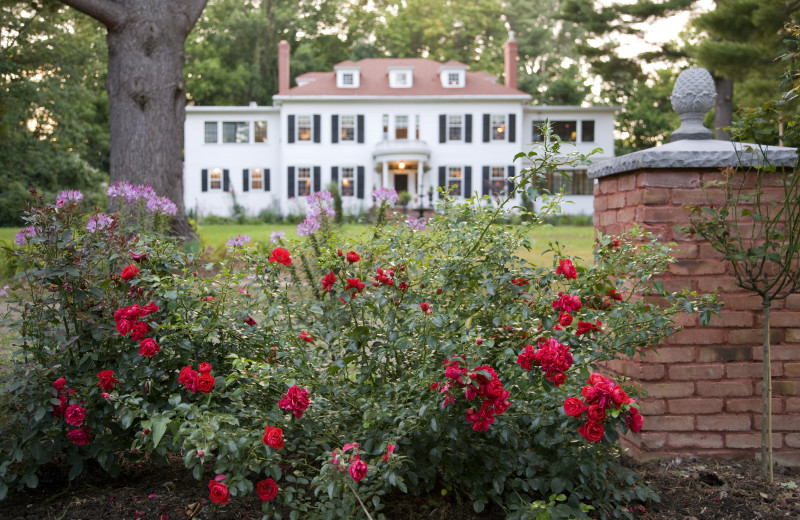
(153, 203)
(320, 198)
(22, 236)
(387, 195)
(68, 196)
(276, 237)
(307, 227)
(4, 291)
(237, 241)
(417, 224)
(98, 222)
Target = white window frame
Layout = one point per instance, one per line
(256, 183)
(455, 121)
(385, 127)
(499, 127)
(298, 126)
(348, 78)
(455, 174)
(397, 126)
(452, 78)
(301, 180)
(401, 78)
(215, 175)
(351, 124)
(497, 174)
(206, 126)
(344, 179)
(255, 132)
(242, 129)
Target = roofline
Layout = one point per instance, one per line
(572, 108)
(212, 109)
(407, 97)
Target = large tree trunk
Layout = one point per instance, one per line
(147, 98)
(723, 110)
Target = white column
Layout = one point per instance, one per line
(385, 181)
(419, 184)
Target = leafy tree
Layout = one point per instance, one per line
(647, 119)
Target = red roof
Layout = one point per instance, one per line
(374, 81)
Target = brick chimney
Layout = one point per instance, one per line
(510, 48)
(283, 66)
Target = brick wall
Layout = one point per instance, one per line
(704, 383)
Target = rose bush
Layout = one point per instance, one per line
(457, 368)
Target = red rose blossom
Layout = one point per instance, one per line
(328, 280)
(596, 413)
(204, 368)
(250, 321)
(267, 489)
(426, 307)
(139, 330)
(566, 268)
(306, 336)
(573, 406)
(358, 469)
(353, 257)
(565, 319)
(356, 284)
(80, 436)
(124, 326)
(295, 400)
(129, 272)
(74, 415)
(205, 383)
(635, 421)
(107, 380)
(59, 383)
(148, 347)
(273, 437)
(281, 256)
(59, 409)
(592, 431)
(138, 257)
(389, 450)
(218, 492)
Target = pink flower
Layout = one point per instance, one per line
(389, 451)
(295, 400)
(358, 469)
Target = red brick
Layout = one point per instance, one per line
(669, 355)
(784, 319)
(596, 190)
(655, 197)
(753, 336)
(725, 389)
(740, 302)
(686, 320)
(793, 335)
(740, 422)
(686, 250)
(792, 405)
(751, 404)
(696, 196)
(650, 372)
(695, 440)
(607, 218)
(697, 267)
(616, 200)
(626, 182)
(793, 302)
(661, 233)
(790, 370)
(792, 440)
(608, 184)
(732, 319)
(708, 251)
(669, 390)
(791, 388)
(780, 423)
(695, 372)
(725, 354)
(678, 179)
(600, 203)
(669, 423)
(652, 440)
(725, 284)
(669, 214)
(697, 337)
(779, 352)
(627, 216)
(633, 198)
(650, 407)
(695, 406)
(787, 458)
(751, 370)
(750, 441)
(596, 222)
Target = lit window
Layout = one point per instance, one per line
(454, 180)
(452, 78)
(497, 180)
(304, 128)
(498, 127)
(256, 179)
(587, 131)
(260, 131)
(565, 130)
(303, 181)
(401, 127)
(348, 188)
(386, 126)
(454, 128)
(236, 132)
(347, 78)
(348, 128)
(215, 179)
(211, 132)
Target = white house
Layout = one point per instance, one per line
(408, 124)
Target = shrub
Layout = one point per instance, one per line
(414, 360)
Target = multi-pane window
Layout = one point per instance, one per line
(348, 128)
(215, 179)
(211, 132)
(498, 127)
(454, 128)
(497, 180)
(256, 179)
(587, 131)
(416, 127)
(236, 132)
(386, 126)
(304, 128)
(455, 179)
(401, 79)
(348, 188)
(347, 78)
(575, 182)
(538, 131)
(401, 127)
(566, 130)
(260, 131)
(452, 78)
(303, 181)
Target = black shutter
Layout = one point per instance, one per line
(360, 182)
(317, 178)
(487, 181)
(266, 179)
(467, 181)
(486, 127)
(226, 180)
(442, 128)
(317, 128)
(360, 128)
(335, 175)
(291, 129)
(334, 128)
(468, 129)
(512, 128)
(291, 181)
(511, 173)
(442, 176)
(204, 180)
(245, 180)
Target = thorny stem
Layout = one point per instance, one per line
(359, 500)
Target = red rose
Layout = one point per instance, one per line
(559, 379)
(426, 307)
(273, 437)
(148, 309)
(358, 469)
(80, 436)
(596, 378)
(573, 406)
(74, 415)
(355, 283)
(137, 257)
(58, 410)
(139, 330)
(389, 451)
(59, 383)
(204, 368)
(353, 257)
(306, 336)
(328, 280)
(124, 326)
(281, 256)
(295, 400)
(130, 271)
(565, 319)
(218, 492)
(250, 321)
(205, 383)
(267, 489)
(635, 422)
(619, 396)
(596, 413)
(107, 380)
(148, 347)
(592, 431)
(566, 268)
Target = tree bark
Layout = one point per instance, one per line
(723, 109)
(146, 92)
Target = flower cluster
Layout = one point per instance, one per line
(320, 207)
(295, 400)
(99, 222)
(385, 195)
(22, 236)
(237, 241)
(73, 414)
(127, 320)
(482, 382)
(68, 196)
(357, 467)
(201, 380)
(134, 194)
(276, 236)
(601, 394)
(417, 224)
(566, 268)
(553, 357)
(585, 327)
(384, 277)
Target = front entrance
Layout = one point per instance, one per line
(400, 182)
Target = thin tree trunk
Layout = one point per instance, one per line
(766, 402)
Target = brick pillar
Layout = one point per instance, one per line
(704, 383)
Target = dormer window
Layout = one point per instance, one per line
(348, 77)
(452, 79)
(401, 77)
(452, 76)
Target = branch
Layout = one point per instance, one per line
(106, 12)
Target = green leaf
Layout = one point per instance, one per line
(159, 428)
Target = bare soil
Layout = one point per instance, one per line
(690, 489)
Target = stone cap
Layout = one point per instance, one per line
(688, 153)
